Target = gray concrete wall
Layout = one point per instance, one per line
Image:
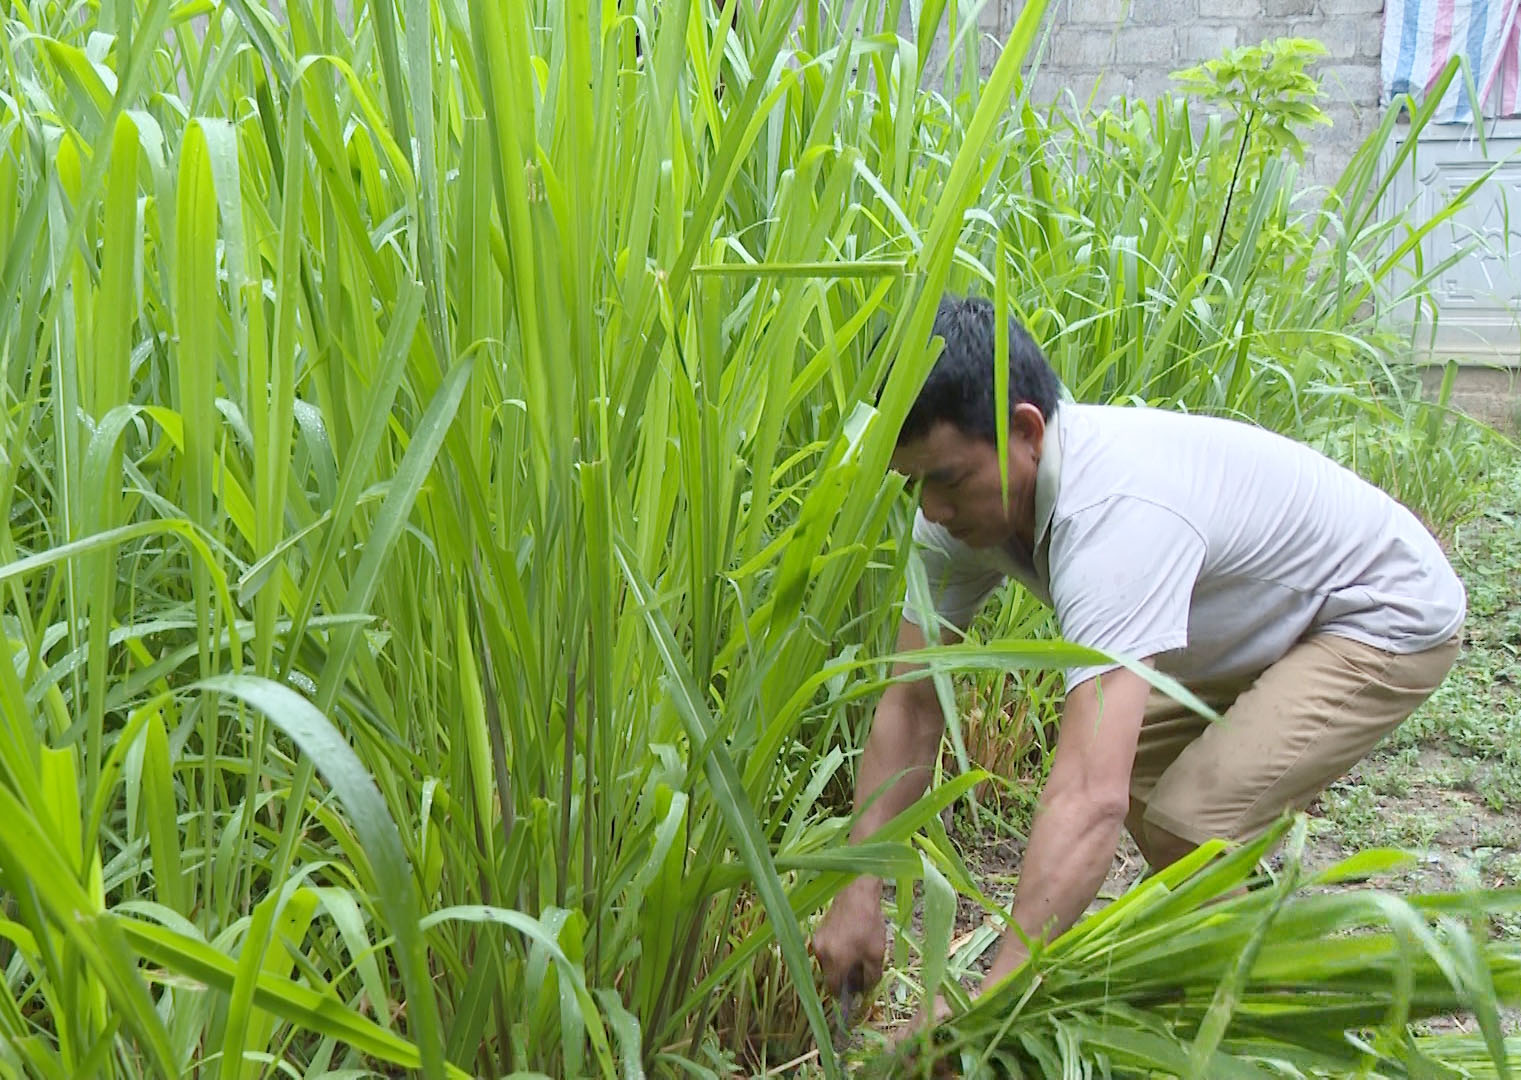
(1129, 47)
(1490, 394)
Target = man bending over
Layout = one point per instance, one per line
(1308, 607)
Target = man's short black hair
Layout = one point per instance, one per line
(959, 389)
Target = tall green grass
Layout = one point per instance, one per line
(447, 548)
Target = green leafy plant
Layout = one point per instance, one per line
(1271, 99)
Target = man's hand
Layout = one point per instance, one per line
(851, 941)
(1011, 954)
(923, 1021)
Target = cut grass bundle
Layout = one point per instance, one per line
(1214, 968)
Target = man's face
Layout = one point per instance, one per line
(960, 486)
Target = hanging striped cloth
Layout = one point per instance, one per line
(1420, 36)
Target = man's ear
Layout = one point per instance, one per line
(1027, 424)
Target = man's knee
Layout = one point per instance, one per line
(1160, 847)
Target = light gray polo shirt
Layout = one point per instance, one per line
(1209, 544)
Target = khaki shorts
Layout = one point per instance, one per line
(1281, 740)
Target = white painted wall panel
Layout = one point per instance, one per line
(1478, 298)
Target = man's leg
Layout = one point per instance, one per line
(1169, 728)
(1305, 721)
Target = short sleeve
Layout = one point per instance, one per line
(1122, 580)
(959, 579)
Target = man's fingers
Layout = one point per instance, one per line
(849, 990)
(871, 972)
(835, 973)
(843, 980)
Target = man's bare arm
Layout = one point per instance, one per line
(895, 767)
(1080, 811)
(899, 757)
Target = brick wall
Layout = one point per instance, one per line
(1130, 47)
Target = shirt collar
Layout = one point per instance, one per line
(1048, 472)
